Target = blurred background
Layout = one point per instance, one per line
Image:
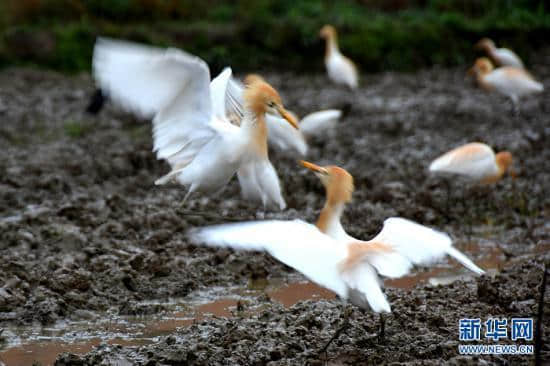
(272, 34)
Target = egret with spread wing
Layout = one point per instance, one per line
(191, 129)
(327, 255)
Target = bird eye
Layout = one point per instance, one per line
(271, 104)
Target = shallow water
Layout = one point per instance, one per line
(25, 345)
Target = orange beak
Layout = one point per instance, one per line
(313, 167)
(289, 117)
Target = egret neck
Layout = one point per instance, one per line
(255, 129)
(329, 220)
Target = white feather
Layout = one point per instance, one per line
(296, 243)
(325, 260)
(259, 182)
(365, 281)
(190, 126)
(506, 57)
(417, 244)
(283, 136)
(512, 82)
(218, 91)
(318, 123)
(341, 70)
(475, 160)
(145, 79)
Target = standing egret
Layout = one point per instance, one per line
(512, 82)
(340, 69)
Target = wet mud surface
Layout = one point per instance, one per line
(89, 243)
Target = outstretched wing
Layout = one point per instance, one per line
(410, 243)
(296, 243)
(171, 85)
(226, 95)
(145, 79)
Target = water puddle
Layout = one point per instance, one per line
(25, 345)
(290, 294)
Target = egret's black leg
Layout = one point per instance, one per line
(382, 330)
(342, 328)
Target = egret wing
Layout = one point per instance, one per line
(226, 95)
(412, 243)
(170, 84)
(283, 136)
(145, 79)
(513, 80)
(296, 243)
(317, 123)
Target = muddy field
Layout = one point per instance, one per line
(86, 237)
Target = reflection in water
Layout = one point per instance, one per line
(139, 331)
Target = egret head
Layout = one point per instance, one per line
(485, 44)
(504, 160)
(337, 181)
(261, 98)
(328, 31)
(482, 66)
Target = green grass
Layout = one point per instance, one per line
(272, 34)
(76, 129)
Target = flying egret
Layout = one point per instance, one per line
(191, 129)
(327, 255)
(340, 69)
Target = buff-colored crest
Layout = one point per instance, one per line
(483, 65)
(504, 160)
(337, 181)
(260, 97)
(328, 31)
